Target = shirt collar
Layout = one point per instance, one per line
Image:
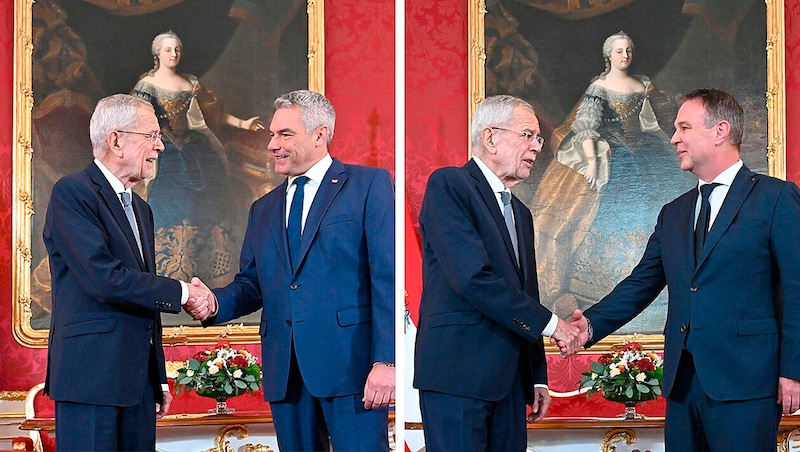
(726, 177)
(317, 171)
(494, 181)
(116, 184)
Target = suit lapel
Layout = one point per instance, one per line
(114, 205)
(740, 188)
(521, 218)
(277, 223)
(490, 199)
(146, 234)
(329, 187)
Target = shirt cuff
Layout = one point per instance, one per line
(164, 388)
(541, 386)
(551, 326)
(184, 292)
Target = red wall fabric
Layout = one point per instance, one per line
(792, 85)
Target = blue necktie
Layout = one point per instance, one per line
(126, 203)
(701, 227)
(509, 217)
(295, 226)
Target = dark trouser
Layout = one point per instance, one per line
(454, 423)
(697, 423)
(82, 427)
(304, 422)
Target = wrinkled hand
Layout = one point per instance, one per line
(582, 324)
(202, 302)
(789, 394)
(567, 338)
(379, 389)
(541, 402)
(163, 408)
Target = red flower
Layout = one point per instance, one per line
(633, 346)
(239, 361)
(605, 359)
(645, 365)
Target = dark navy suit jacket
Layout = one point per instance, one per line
(739, 306)
(338, 306)
(106, 300)
(480, 320)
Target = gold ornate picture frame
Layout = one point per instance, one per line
(26, 205)
(496, 39)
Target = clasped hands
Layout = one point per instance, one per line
(201, 302)
(570, 337)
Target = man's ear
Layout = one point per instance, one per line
(112, 141)
(721, 132)
(321, 135)
(487, 137)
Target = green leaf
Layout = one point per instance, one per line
(598, 368)
(629, 392)
(184, 381)
(240, 384)
(642, 388)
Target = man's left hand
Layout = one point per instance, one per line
(163, 408)
(541, 402)
(789, 394)
(379, 389)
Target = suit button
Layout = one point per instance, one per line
(693, 289)
(293, 286)
(288, 323)
(149, 329)
(683, 328)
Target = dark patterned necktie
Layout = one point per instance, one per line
(701, 227)
(295, 226)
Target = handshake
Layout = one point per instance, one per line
(201, 302)
(570, 337)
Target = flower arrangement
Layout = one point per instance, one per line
(626, 374)
(220, 372)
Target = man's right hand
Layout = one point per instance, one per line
(201, 302)
(582, 324)
(567, 338)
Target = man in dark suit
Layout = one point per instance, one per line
(732, 349)
(105, 368)
(479, 354)
(322, 270)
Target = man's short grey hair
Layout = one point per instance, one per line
(495, 111)
(719, 106)
(316, 109)
(115, 112)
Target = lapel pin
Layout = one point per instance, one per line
(335, 181)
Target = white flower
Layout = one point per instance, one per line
(594, 376)
(614, 371)
(212, 369)
(237, 373)
(189, 373)
(641, 376)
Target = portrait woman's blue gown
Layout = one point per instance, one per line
(197, 207)
(605, 227)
